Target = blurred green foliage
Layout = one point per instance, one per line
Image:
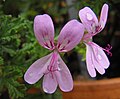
(18, 45)
(19, 49)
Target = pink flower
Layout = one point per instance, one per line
(52, 67)
(95, 56)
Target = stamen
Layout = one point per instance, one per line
(50, 70)
(53, 66)
(107, 49)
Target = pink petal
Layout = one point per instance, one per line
(49, 83)
(70, 36)
(89, 61)
(103, 15)
(96, 64)
(101, 56)
(96, 59)
(88, 18)
(50, 80)
(37, 69)
(44, 31)
(64, 77)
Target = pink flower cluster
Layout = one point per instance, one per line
(52, 67)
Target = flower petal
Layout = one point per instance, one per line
(101, 56)
(96, 64)
(44, 31)
(37, 69)
(88, 18)
(89, 61)
(96, 58)
(49, 83)
(50, 80)
(64, 77)
(70, 36)
(103, 15)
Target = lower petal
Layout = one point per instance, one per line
(89, 61)
(37, 69)
(101, 56)
(97, 66)
(49, 83)
(64, 77)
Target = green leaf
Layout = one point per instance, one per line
(15, 89)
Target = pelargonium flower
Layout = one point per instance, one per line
(95, 56)
(52, 67)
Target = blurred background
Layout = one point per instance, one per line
(19, 47)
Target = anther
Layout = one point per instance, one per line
(107, 49)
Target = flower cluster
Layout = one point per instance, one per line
(52, 67)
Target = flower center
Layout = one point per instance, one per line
(54, 65)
